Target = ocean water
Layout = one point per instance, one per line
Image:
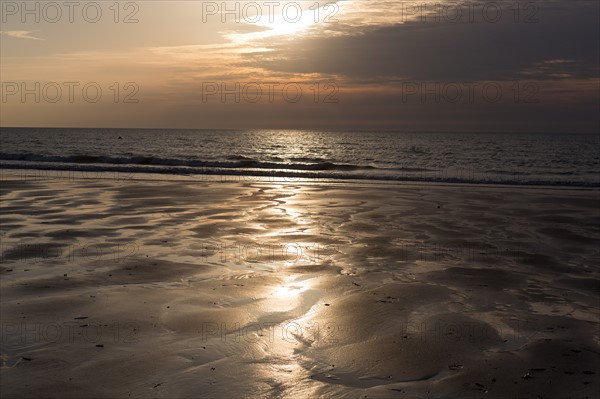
(473, 158)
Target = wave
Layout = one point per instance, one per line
(232, 162)
(129, 171)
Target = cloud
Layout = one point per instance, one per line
(445, 51)
(20, 34)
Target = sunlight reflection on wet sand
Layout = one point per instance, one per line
(224, 304)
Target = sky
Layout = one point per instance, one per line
(429, 65)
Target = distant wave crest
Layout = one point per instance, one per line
(127, 167)
(234, 162)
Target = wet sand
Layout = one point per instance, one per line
(140, 288)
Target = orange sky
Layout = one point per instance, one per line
(300, 64)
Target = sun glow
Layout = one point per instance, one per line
(292, 22)
(283, 26)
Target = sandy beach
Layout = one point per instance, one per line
(148, 288)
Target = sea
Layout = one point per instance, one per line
(536, 159)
